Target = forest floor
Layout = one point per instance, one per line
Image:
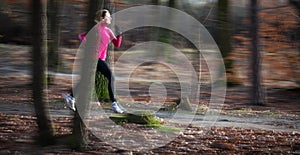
(240, 128)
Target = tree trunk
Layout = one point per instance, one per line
(223, 26)
(296, 3)
(94, 6)
(154, 35)
(256, 91)
(80, 132)
(164, 35)
(155, 2)
(38, 77)
(172, 3)
(101, 83)
(53, 35)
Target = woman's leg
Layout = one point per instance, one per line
(103, 68)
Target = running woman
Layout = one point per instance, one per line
(103, 19)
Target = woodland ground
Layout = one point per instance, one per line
(241, 128)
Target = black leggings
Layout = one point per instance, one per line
(104, 69)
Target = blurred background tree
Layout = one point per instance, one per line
(296, 3)
(165, 35)
(223, 37)
(53, 23)
(256, 91)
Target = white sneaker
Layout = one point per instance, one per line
(70, 101)
(116, 108)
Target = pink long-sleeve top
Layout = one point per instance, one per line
(107, 36)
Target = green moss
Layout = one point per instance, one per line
(145, 118)
(164, 128)
(101, 88)
(138, 117)
(119, 118)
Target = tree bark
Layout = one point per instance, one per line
(155, 2)
(53, 35)
(224, 37)
(164, 35)
(38, 77)
(172, 3)
(101, 84)
(256, 92)
(94, 6)
(223, 26)
(296, 4)
(80, 131)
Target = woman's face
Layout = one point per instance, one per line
(107, 18)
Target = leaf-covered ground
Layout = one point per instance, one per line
(18, 133)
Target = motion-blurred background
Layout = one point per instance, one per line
(228, 21)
